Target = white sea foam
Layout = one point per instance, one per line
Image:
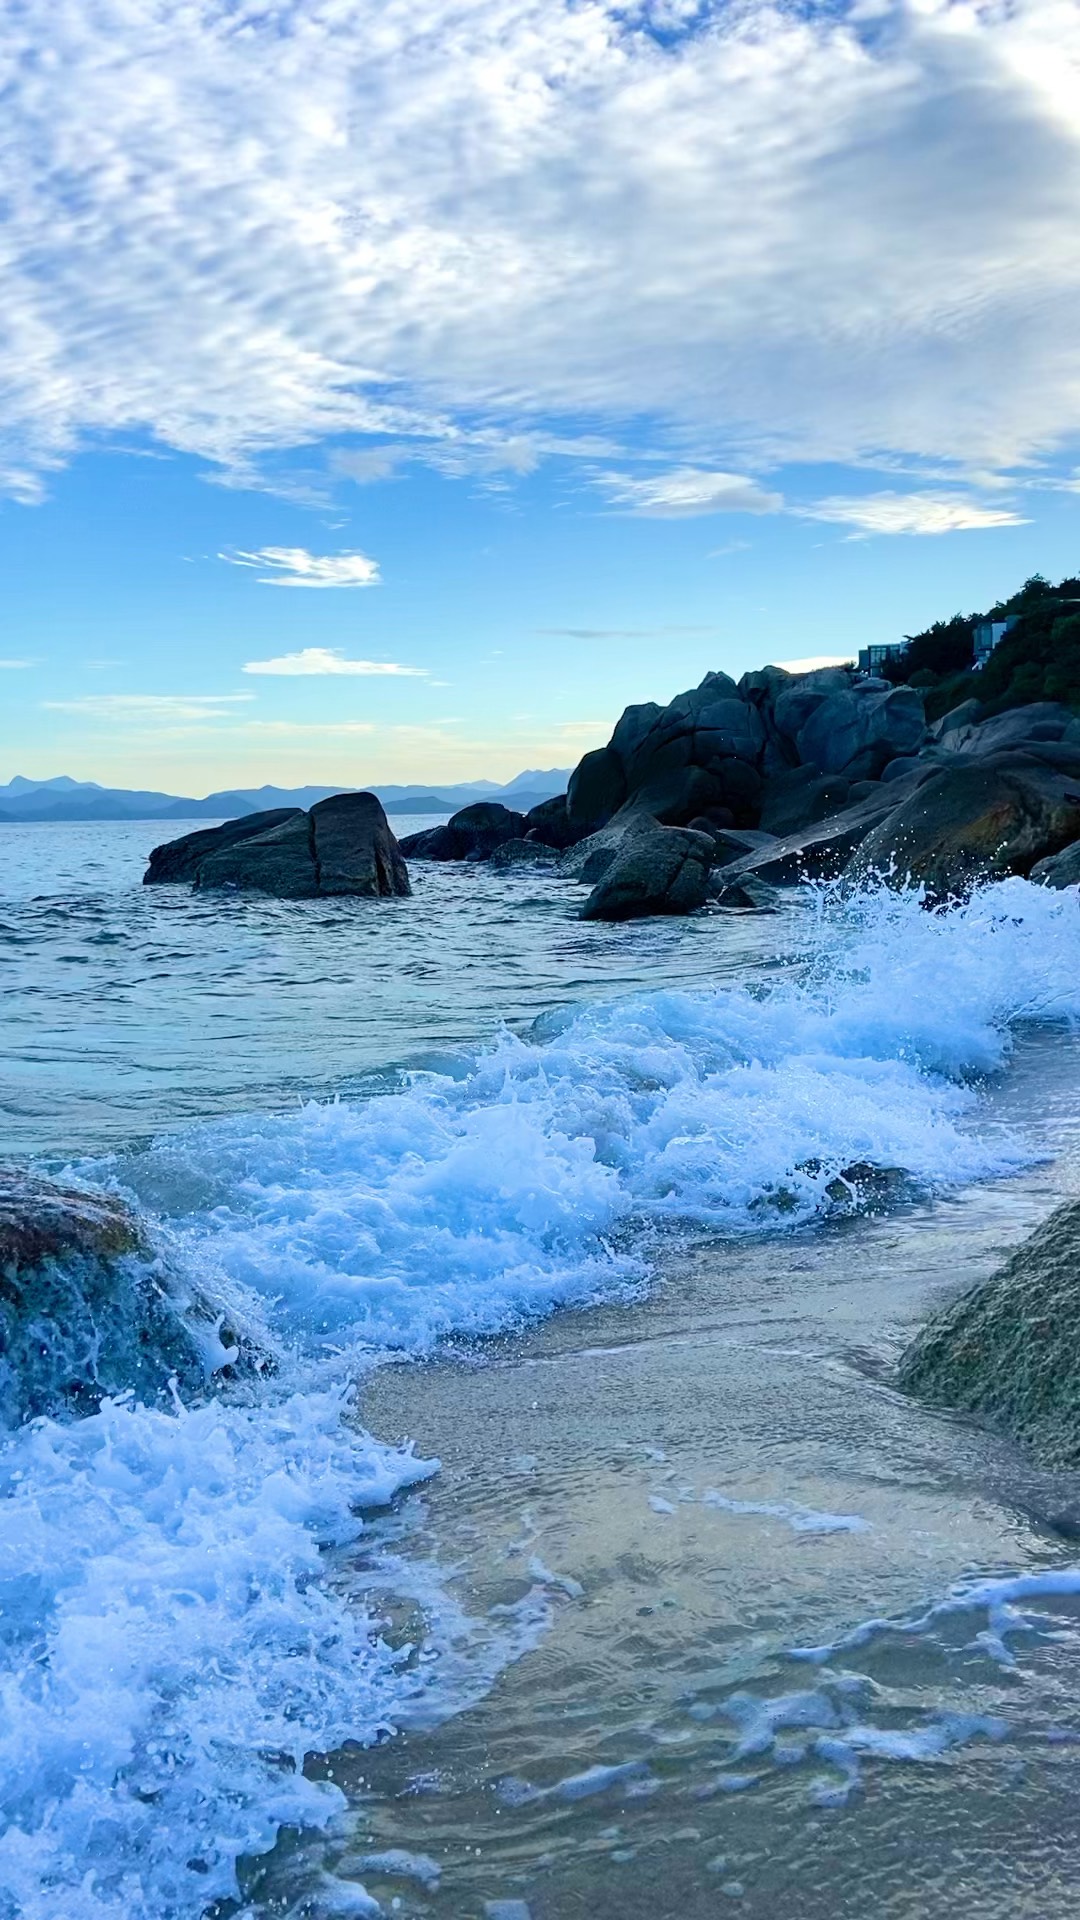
(464, 1205)
(187, 1605)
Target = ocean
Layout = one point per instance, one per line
(570, 1552)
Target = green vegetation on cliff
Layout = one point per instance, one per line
(1038, 659)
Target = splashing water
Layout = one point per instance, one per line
(190, 1602)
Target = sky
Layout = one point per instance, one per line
(393, 390)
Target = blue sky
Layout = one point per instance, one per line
(394, 392)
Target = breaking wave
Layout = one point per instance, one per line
(193, 1593)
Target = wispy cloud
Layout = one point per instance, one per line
(296, 567)
(815, 232)
(312, 662)
(920, 513)
(687, 491)
(142, 708)
(306, 729)
(16, 666)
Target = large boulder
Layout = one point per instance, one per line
(1009, 1349)
(1043, 721)
(550, 823)
(178, 861)
(682, 794)
(661, 870)
(596, 790)
(472, 834)
(800, 798)
(343, 846)
(819, 852)
(857, 732)
(87, 1308)
(976, 819)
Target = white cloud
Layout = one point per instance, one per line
(685, 491)
(312, 661)
(927, 513)
(803, 231)
(815, 660)
(143, 708)
(15, 666)
(296, 567)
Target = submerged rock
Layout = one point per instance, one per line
(523, 853)
(343, 846)
(88, 1308)
(1009, 1350)
(658, 872)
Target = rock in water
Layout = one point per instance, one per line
(343, 846)
(975, 820)
(41, 1220)
(664, 870)
(178, 860)
(355, 850)
(472, 834)
(87, 1308)
(1009, 1350)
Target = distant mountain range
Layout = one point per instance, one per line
(25, 800)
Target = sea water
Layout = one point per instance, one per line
(386, 1130)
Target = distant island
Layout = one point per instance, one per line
(23, 801)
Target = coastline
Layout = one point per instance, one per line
(687, 1481)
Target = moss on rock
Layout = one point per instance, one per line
(1009, 1350)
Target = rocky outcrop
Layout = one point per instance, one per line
(819, 852)
(857, 730)
(779, 751)
(978, 819)
(87, 1308)
(1008, 1351)
(472, 834)
(657, 870)
(343, 846)
(1060, 869)
(177, 861)
(800, 798)
(965, 731)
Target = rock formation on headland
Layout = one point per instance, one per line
(1007, 1351)
(732, 789)
(344, 845)
(786, 777)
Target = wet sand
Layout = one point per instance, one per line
(691, 1487)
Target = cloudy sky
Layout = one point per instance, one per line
(393, 390)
